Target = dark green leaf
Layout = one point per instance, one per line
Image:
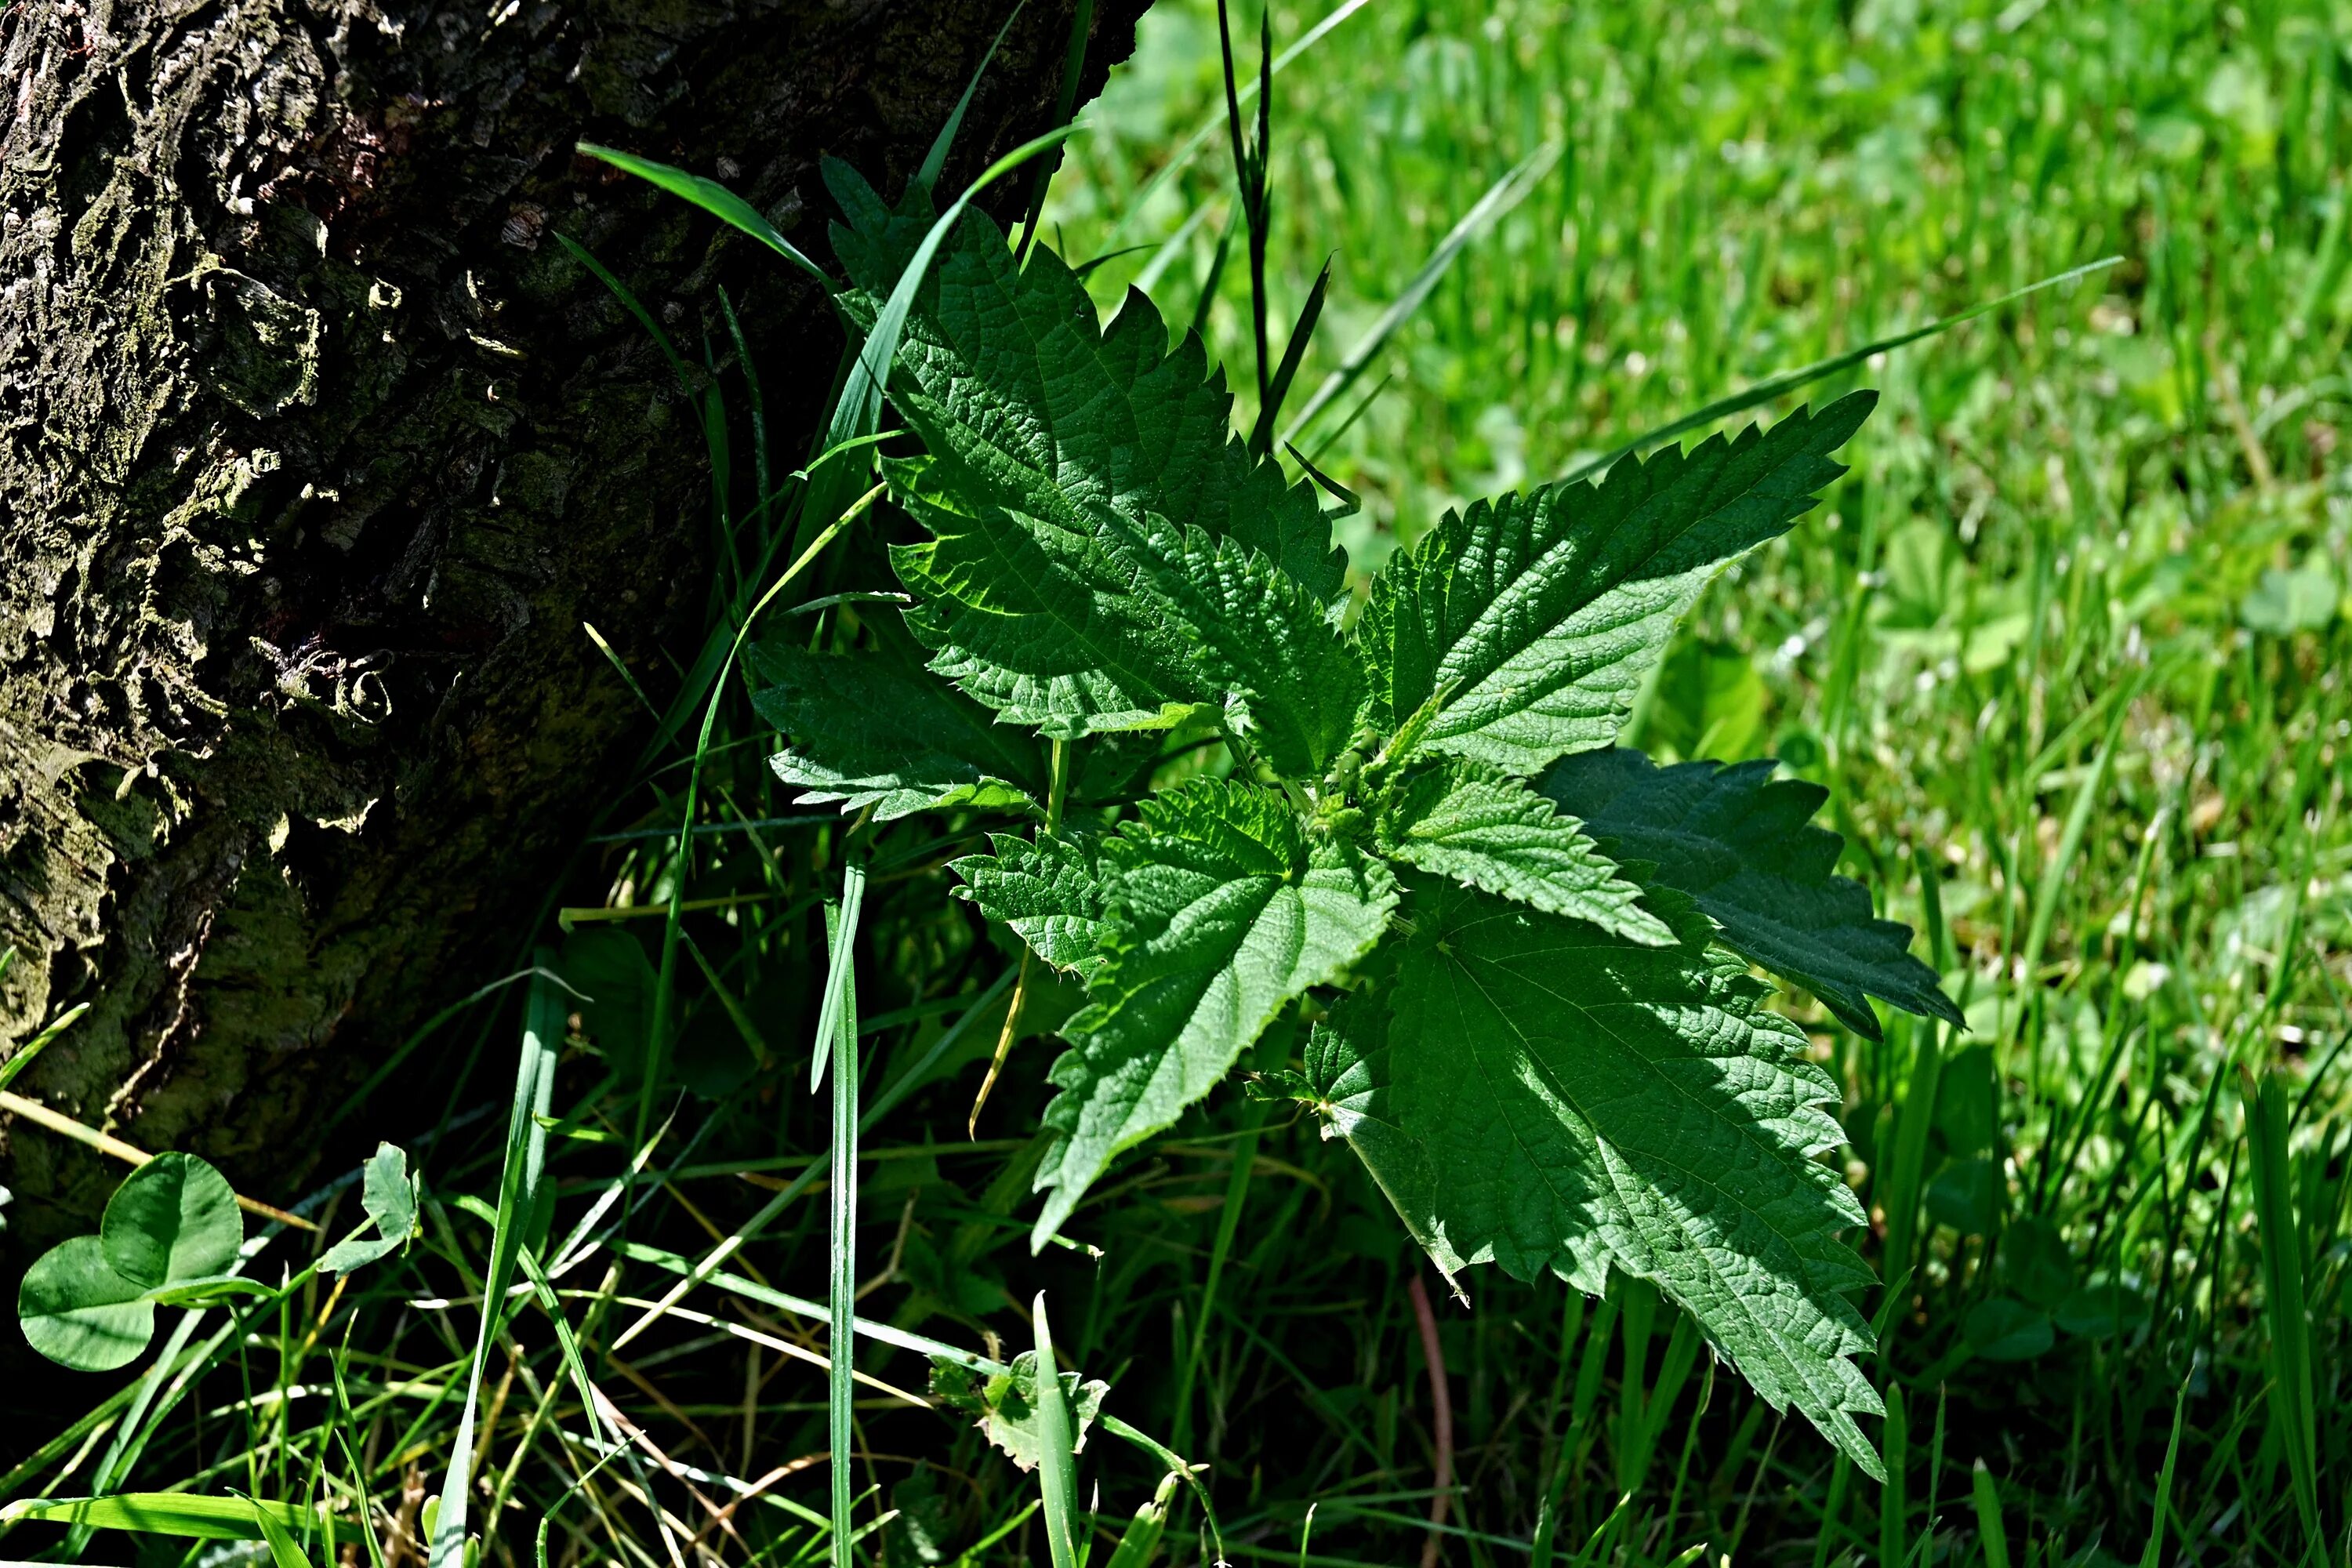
(1533, 1091)
(2035, 1262)
(608, 968)
(1967, 1195)
(1967, 1102)
(1740, 843)
(2004, 1328)
(2096, 1312)
(865, 730)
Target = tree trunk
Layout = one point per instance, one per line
(317, 449)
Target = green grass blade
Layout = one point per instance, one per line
(712, 197)
(161, 1513)
(1770, 387)
(24, 1054)
(841, 966)
(1295, 350)
(1215, 122)
(926, 178)
(1991, 1530)
(905, 1084)
(283, 1551)
(2286, 1308)
(1057, 1463)
(519, 1193)
(1141, 1542)
(2153, 1556)
(840, 1018)
(1501, 197)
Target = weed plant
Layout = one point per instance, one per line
(2064, 648)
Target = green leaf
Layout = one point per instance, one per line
(389, 1195)
(1967, 1195)
(1050, 892)
(1109, 623)
(1537, 615)
(1004, 1404)
(608, 970)
(1741, 845)
(1480, 826)
(1533, 1091)
(162, 1513)
(866, 730)
(2001, 1328)
(2095, 1311)
(1225, 909)
(1105, 555)
(1006, 371)
(173, 1220)
(79, 1313)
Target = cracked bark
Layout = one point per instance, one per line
(315, 449)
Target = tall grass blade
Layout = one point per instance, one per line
(1770, 387)
(905, 1084)
(1058, 1460)
(926, 178)
(2153, 1556)
(840, 1017)
(1293, 352)
(162, 1513)
(712, 197)
(1992, 1531)
(1501, 197)
(2284, 1306)
(519, 1203)
(840, 970)
(1190, 148)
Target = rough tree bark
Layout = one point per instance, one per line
(316, 450)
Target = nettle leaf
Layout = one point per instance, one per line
(1741, 844)
(1104, 555)
(1007, 370)
(1225, 909)
(90, 1302)
(1532, 1091)
(865, 730)
(1532, 620)
(1480, 826)
(1050, 892)
(1122, 624)
(389, 1194)
(1004, 1404)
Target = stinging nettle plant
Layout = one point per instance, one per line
(1526, 953)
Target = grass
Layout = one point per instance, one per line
(2067, 647)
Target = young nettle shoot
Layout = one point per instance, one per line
(1526, 950)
